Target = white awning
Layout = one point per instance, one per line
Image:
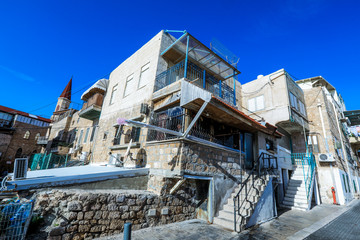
(101, 85)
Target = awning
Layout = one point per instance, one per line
(200, 54)
(100, 86)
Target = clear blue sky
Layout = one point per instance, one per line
(44, 43)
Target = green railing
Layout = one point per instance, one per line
(41, 161)
(307, 162)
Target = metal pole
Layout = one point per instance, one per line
(220, 94)
(127, 231)
(234, 89)
(204, 79)
(186, 57)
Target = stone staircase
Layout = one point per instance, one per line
(225, 217)
(295, 196)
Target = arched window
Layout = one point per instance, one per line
(18, 153)
(37, 136)
(27, 135)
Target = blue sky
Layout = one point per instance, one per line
(44, 43)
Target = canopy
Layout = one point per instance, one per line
(100, 86)
(199, 53)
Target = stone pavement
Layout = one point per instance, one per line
(346, 226)
(321, 222)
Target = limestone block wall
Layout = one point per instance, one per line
(80, 214)
(202, 160)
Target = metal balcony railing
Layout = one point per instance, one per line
(197, 76)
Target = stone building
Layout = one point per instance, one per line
(20, 135)
(72, 131)
(182, 106)
(280, 101)
(328, 140)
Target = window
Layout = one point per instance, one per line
(302, 108)
(37, 136)
(348, 183)
(27, 135)
(269, 145)
(256, 103)
(92, 133)
(113, 94)
(313, 144)
(80, 138)
(344, 183)
(144, 75)
(129, 85)
(18, 153)
(86, 134)
(117, 136)
(135, 134)
(293, 101)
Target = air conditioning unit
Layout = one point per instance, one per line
(144, 108)
(326, 157)
(20, 168)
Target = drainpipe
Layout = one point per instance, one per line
(342, 146)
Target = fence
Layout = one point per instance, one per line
(40, 161)
(14, 219)
(197, 76)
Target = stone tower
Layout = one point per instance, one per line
(64, 100)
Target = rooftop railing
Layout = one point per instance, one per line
(197, 76)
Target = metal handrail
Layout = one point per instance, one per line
(256, 170)
(305, 159)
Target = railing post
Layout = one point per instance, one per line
(66, 159)
(186, 56)
(220, 91)
(234, 89)
(204, 79)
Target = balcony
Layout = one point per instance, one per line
(42, 141)
(91, 109)
(197, 76)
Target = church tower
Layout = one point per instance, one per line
(64, 100)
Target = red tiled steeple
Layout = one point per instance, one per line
(67, 91)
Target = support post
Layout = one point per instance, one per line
(204, 79)
(186, 57)
(234, 89)
(198, 114)
(220, 91)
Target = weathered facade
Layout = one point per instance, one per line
(20, 134)
(277, 99)
(329, 135)
(186, 121)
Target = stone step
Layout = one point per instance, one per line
(300, 188)
(295, 199)
(250, 198)
(225, 223)
(230, 207)
(296, 194)
(293, 207)
(295, 204)
(226, 214)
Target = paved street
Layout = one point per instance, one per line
(347, 226)
(322, 222)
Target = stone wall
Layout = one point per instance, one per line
(79, 214)
(199, 159)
